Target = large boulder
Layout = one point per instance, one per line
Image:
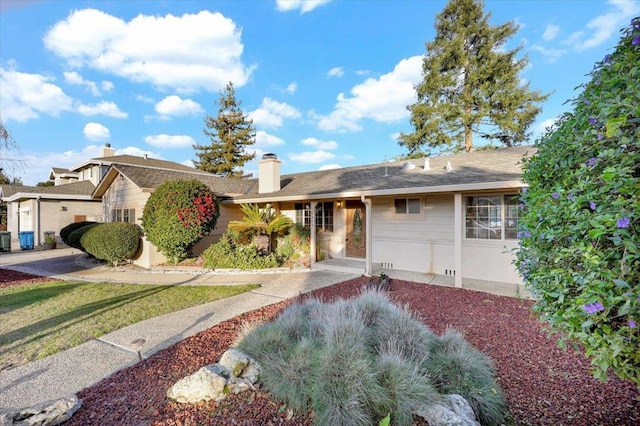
(47, 413)
(235, 372)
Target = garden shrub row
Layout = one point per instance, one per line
(230, 252)
(114, 241)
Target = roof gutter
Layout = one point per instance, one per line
(31, 195)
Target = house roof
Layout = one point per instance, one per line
(150, 178)
(481, 170)
(133, 160)
(76, 191)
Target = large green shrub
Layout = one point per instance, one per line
(355, 361)
(75, 237)
(67, 230)
(580, 227)
(229, 252)
(177, 215)
(113, 241)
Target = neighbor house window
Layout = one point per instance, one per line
(324, 216)
(493, 217)
(407, 205)
(123, 215)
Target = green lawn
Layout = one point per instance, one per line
(41, 319)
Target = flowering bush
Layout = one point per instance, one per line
(580, 247)
(177, 215)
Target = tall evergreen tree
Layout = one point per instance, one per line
(470, 84)
(231, 132)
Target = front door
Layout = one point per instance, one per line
(356, 230)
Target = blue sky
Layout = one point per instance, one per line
(326, 82)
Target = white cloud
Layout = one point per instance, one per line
(176, 106)
(170, 141)
(318, 144)
(552, 55)
(551, 32)
(601, 28)
(74, 78)
(335, 72)
(265, 139)
(96, 132)
(330, 167)
(144, 98)
(272, 113)
(291, 88)
(304, 5)
(383, 99)
(545, 125)
(311, 156)
(25, 96)
(186, 53)
(103, 108)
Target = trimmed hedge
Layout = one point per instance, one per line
(74, 238)
(113, 241)
(67, 230)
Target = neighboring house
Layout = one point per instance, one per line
(49, 209)
(451, 215)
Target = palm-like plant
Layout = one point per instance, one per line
(260, 223)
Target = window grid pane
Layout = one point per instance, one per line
(414, 205)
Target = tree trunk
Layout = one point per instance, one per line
(468, 138)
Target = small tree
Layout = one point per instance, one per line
(261, 224)
(470, 84)
(580, 228)
(231, 132)
(177, 215)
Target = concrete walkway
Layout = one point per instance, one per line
(70, 371)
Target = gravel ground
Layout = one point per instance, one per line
(543, 385)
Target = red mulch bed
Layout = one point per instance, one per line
(9, 278)
(543, 385)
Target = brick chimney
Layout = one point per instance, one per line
(269, 174)
(107, 151)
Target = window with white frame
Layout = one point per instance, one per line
(492, 217)
(324, 216)
(407, 205)
(123, 215)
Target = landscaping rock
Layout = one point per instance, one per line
(205, 384)
(455, 411)
(47, 413)
(236, 372)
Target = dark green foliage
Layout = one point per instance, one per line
(113, 242)
(580, 227)
(177, 215)
(231, 132)
(75, 237)
(294, 247)
(355, 361)
(67, 230)
(229, 252)
(470, 84)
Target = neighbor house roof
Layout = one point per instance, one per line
(133, 160)
(478, 170)
(148, 179)
(76, 191)
(59, 171)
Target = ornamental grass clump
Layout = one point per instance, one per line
(355, 361)
(580, 225)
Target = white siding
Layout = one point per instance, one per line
(420, 243)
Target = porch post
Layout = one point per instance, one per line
(312, 219)
(457, 237)
(368, 269)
